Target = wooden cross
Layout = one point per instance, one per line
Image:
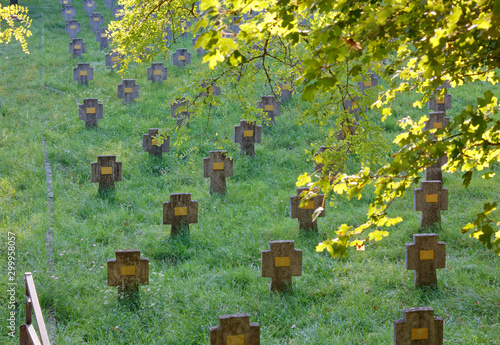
(113, 60)
(103, 38)
(109, 4)
(118, 12)
(235, 329)
(106, 171)
(77, 47)
(180, 211)
(181, 57)
(441, 103)
(210, 89)
(128, 271)
(217, 167)
(280, 263)
(83, 73)
(437, 120)
(157, 73)
(418, 326)
(431, 199)
(285, 91)
(424, 256)
(304, 210)
(128, 90)
(90, 111)
(68, 12)
(72, 28)
(270, 106)
(96, 20)
(90, 6)
(199, 51)
(151, 145)
(179, 110)
(247, 134)
(366, 84)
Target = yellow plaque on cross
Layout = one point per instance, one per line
(114, 58)
(128, 90)
(65, 2)
(106, 170)
(281, 261)
(68, 12)
(90, 110)
(154, 142)
(96, 19)
(157, 72)
(426, 255)
(367, 83)
(89, 5)
(440, 100)
(210, 89)
(83, 73)
(182, 58)
(235, 339)
(127, 270)
(268, 107)
(180, 211)
(248, 133)
(218, 166)
(309, 205)
(103, 35)
(419, 333)
(437, 125)
(285, 87)
(431, 198)
(72, 27)
(77, 46)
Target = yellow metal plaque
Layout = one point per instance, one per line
(103, 35)
(89, 5)
(65, 2)
(90, 110)
(248, 133)
(218, 166)
(268, 107)
(77, 46)
(83, 72)
(154, 142)
(72, 26)
(180, 211)
(128, 90)
(285, 87)
(68, 11)
(236, 339)
(419, 333)
(367, 83)
(309, 205)
(96, 19)
(156, 72)
(127, 270)
(210, 89)
(440, 100)
(426, 255)
(114, 58)
(281, 261)
(182, 58)
(437, 125)
(431, 198)
(106, 170)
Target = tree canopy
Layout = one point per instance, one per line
(325, 47)
(9, 16)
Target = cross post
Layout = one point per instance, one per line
(106, 171)
(128, 90)
(181, 57)
(431, 199)
(90, 111)
(83, 73)
(280, 263)
(72, 28)
(247, 134)
(128, 271)
(217, 167)
(150, 145)
(304, 213)
(77, 47)
(235, 329)
(424, 256)
(179, 212)
(418, 326)
(271, 107)
(157, 73)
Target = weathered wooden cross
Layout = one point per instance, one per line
(109, 4)
(77, 47)
(90, 111)
(247, 134)
(286, 91)
(431, 199)
(128, 271)
(113, 60)
(181, 57)
(304, 213)
(418, 326)
(90, 6)
(118, 12)
(235, 329)
(271, 107)
(157, 72)
(280, 263)
(106, 171)
(217, 167)
(425, 255)
(149, 144)
(68, 12)
(179, 110)
(96, 20)
(179, 212)
(72, 28)
(83, 73)
(103, 37)
(441, 103)
(128, 90)
(437, 120)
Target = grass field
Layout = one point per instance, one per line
(216, 270)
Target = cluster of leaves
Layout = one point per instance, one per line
(14, 21)
(326, 45)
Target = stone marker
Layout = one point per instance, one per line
(280, 263)
(113, 60)
(424, 256)
(247, 134)
(128, 271)
(235, 329)
(270, 106)
(77, 47)
(210, 89)
(217, 167)
(418, 326)
(437, 120)
(109, 4)
(72, 28)
(200, 51)
(157, 72)
(83, 73)
(90, 6)
(441, 103)
(103, 37)
(106, 171)
(369, 82)
(118, 12)
(181, 58)
(285, 91)
(150, 145)
(180, 211)
(68, 12)
(128, 90)
(431, 199)
(90, 111)
(96, 20)
(305, 213)
(179, 110)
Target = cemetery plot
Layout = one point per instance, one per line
(77, 47)
(150, 145)
(90, 111)
(217, 167)
(271, 107)
(247, 134)
(128, 270)
(128, 90)
(179, 212)
(280, 263)
(424, 256)
(68, 13)
(305, 212)
(96, 20)
(72, 28)
(235, 329)
(83, 74)
(157, 73)
(106, 171)
(112, 59)
(181, 58)
(418, 326)
(179, 110)
(430, 199)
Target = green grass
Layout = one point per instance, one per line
(217, 269)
